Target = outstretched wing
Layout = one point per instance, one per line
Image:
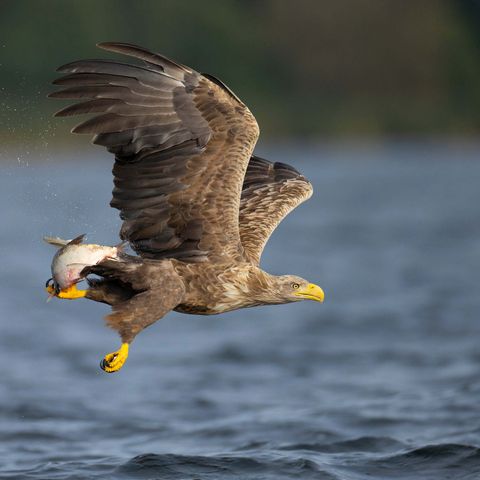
(270, 192)
(182, 142)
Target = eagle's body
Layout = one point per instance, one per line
(239, 286)
(197, 206)
(233, 292)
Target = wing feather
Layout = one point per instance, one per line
(270, 192)
(181, 142)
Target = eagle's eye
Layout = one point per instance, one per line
(295, 286)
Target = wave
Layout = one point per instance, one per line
(360, 444)
(357, 459)
(173, 467)
(435, 462)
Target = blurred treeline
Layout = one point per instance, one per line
(305, 67)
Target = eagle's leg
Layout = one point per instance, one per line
(70, 293)
(114, 361)
(140, 294)
(132, 316)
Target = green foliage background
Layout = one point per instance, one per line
(306, 68)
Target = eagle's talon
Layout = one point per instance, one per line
(112, 362)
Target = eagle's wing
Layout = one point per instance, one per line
(270, 192)
(182, 142)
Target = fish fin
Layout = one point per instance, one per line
(56, 241)
(77, 240)
(121, 246)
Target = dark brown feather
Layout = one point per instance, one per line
(153, 60)
(139, 291)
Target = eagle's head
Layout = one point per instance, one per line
(291, 288)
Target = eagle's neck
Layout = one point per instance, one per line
(251, 287)
(263, 288)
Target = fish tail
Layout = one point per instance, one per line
(56, 241)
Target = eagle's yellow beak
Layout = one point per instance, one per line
(311, 292)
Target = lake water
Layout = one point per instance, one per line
(382, 381)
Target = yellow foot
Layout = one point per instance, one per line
(114, 361)
(70, 293)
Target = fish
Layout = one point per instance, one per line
(72, 257)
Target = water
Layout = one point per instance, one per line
(380, 382)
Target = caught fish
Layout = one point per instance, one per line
(72, 257)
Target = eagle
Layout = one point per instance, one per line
(197, 205)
